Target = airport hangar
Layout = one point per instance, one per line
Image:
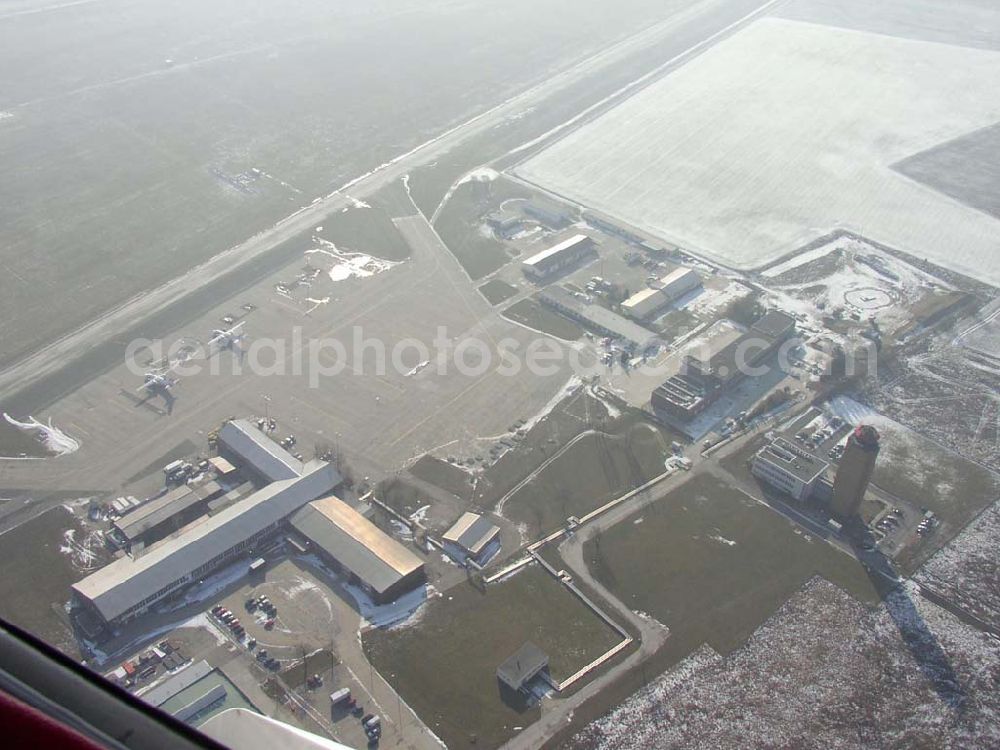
(350, 543)
(128, 587)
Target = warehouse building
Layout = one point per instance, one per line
(701, 381)
(551, 214)
(128, 587)
(644, 303)
(790, 469)
(600, 319)
(570, 251)
(351, 543)
(253, 452)
(473, 537)
(667, 290)
(505, 223)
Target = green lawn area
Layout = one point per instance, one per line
(444, 665)
(497, 290)
(533, 314)
(593, 471)
(444, 475)
(712, 564)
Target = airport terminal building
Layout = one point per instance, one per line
(128, 587)
(131, 585)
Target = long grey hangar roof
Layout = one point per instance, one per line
(121, 585)
(257, 449)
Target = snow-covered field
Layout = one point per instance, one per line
(783, 132)
(967, 571)
(824, 672)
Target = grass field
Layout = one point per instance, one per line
(365, 230)
(17, 443)
(462, 230)
(444, 665)
(594, 470)
(497, 290)
(712, 564)
(444, 475)
(535, 315)
(923, 472)
(37, 576)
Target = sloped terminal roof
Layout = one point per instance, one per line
(257, 449)
(355, 542)
(122, 584)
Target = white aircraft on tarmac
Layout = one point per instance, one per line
(228, 339)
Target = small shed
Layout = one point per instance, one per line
(472, 536)
(522, 666)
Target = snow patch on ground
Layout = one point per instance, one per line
(420, 514)
(566, 391)
(798, 260)
(55, 440)
(483, 174)
(350, 265)
(83, 553)
(722, 540)
(707, 303)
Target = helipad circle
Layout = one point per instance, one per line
(868, 298)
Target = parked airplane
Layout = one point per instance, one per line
(226, 339)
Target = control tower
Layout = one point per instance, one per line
(855, 471)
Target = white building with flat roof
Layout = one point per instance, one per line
(788, 468)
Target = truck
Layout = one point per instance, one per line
(373, 726)
(340, 696)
